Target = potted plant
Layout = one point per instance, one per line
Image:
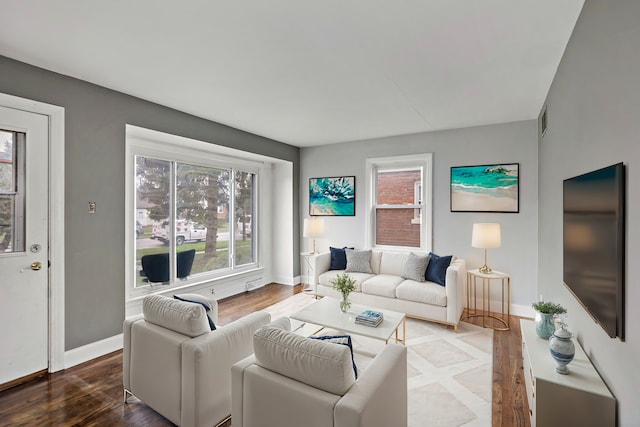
(547, 311)
(344, 284)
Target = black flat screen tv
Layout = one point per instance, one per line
(593, 244)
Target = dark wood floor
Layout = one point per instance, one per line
(91, 394)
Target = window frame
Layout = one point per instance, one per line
(423, 161)
(181, 150)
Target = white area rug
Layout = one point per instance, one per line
(449, 374)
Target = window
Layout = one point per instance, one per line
(12, 146)
(398, 188)
(188, 200)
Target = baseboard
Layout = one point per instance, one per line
(88, 352)
(523, 311)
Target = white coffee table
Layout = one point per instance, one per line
(326, 313)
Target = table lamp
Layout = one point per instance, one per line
(313, 227)
(485, 236)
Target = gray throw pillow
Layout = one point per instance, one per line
(415, 267)
(358, 261)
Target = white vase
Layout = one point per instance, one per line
(562, 349)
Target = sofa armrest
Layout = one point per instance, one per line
(455, 282)
(368, 402)
(126, 350)
(321, 264)
(206, 369)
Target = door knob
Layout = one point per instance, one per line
(35, 266)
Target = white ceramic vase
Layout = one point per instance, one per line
(562, 349)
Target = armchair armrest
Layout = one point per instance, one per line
(206, 369)
(455, 281)
(237, 382)
(321, 264)
(379, 397)
(126, 350)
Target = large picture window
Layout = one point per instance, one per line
(195, 216)
(398, 191)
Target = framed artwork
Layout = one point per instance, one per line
(486, 188)
(332, 196)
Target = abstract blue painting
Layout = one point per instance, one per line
(332, 196)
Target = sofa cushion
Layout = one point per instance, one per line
(382, 284)
(179, 316)
(325, 278)
(203, 301)
(423, 292)
(415, 267)
(320, 364)
(437, 268)
(393, 263)
(338, 258)
(358, 261)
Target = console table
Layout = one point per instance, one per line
(580, 398)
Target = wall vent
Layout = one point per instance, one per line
(542, 121)
(254, 284)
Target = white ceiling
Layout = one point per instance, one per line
(302, 72)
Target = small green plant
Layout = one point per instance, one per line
(548, 308)
(344, 284)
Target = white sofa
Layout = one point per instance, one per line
(294, 381)
(386, 289)
(178, 366)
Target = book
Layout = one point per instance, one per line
(369, 318)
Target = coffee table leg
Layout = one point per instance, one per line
(404, 333)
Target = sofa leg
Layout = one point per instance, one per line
(455, 328)
(127, 393)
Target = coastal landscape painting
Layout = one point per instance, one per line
(332, 196)
(485, 188)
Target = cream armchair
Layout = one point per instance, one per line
(295, 381)
(175, 363)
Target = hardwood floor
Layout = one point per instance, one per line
(91, 394)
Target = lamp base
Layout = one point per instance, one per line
(485, 269)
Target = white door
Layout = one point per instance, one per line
(23, 244)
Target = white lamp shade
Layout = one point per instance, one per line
(486, 235)
(313, 227)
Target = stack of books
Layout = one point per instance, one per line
(369, 318)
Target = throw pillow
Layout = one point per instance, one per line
(415, 267)
(437, 268)
(338, 258)
(358, 261)
(198, 299)
(342, 340)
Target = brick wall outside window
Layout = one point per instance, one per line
(397, 227)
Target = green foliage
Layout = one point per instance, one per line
(344, 284)
(548, 307)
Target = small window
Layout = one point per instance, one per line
(398, 191)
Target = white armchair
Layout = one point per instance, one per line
(296, 381)
(175, 364)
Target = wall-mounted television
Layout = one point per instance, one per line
(593, 244)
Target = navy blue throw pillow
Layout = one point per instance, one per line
(197, 300)
(437, 268)
(338, 258)
(342, 340)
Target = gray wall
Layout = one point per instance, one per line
(593, 111)
(505, 143)
(95, 120)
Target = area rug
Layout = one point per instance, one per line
(449, 373)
